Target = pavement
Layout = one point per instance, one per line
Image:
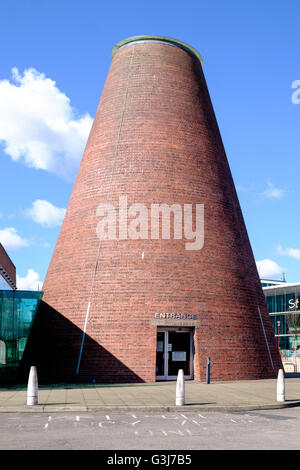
(153, 397)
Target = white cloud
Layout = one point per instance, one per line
(38, 124)
(292, 252)
(44, 245)
(269, 269)
(272, 192)
(11, 240)
(45, 213)
(31, 281)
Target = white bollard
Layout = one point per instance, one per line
(32, 388)
(280, 386)
(180, 389)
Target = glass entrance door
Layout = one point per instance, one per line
(174, 351)
(160, 354)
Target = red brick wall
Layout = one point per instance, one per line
(155, 139)
(7, 264)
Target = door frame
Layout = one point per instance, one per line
(166, 330)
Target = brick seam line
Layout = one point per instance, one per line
(265, 336)
(107, 196)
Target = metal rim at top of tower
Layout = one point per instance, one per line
(156, 39)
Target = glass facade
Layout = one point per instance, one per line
(283, 303)
(17, 313)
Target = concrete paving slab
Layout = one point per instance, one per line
(159, 396)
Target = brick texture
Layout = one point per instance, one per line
(7, 265)
(155, 139)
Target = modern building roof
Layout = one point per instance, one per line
(286, 287)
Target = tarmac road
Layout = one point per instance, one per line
(260, 430)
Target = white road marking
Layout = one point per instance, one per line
(106, 422)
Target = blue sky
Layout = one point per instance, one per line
(56, 54)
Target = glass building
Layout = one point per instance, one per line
(17, 313)
(283, 303)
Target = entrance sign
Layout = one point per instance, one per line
(177, 316)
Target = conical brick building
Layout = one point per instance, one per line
(140, 305)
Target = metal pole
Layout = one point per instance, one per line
(208, 370)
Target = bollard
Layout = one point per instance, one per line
(32, 388)
(180, 389)
(280, 386)
(208, 370)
